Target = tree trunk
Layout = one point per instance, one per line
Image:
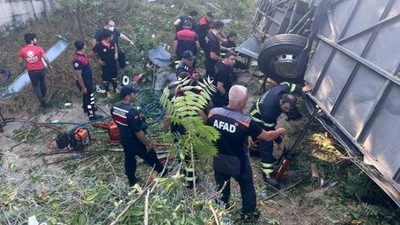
(46, 10)
(79, 20)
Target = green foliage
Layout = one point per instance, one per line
(72, 5)
(370, 214)
(170, 203)
(273, 222)
(362, 199)
(31, 134)
(184, 110)
(93, 192)
(351, 181)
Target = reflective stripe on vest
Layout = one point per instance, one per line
(188, 169)
(189, 179)
(291, 86)
(267, 169)
(256, 111)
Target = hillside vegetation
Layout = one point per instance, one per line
(91, 188)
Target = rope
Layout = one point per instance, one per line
(50, 144)
(152, 107)
(38, 124)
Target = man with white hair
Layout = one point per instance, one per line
(232, 159)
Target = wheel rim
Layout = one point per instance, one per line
(284, 65)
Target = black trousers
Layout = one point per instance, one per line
(210, 67)
(38, 81)
(240, 65)
(202, 40)
(266, 151)
(109, 71)
(121, 58)
(109, 74)
(187, 170)
(130, 160)
(245, 180)
(88, 101)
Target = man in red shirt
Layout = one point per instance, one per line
(185, 39)
(33, 56)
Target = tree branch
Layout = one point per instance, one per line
(146, 208)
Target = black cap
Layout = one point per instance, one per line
(210, 14)
(188, 55)
(127, 90)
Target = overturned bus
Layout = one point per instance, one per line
(348, 51)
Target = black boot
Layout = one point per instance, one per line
(250, 217)
(94, 107)
(270, 180)
(95, 117)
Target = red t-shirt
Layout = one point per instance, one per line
(33, 57)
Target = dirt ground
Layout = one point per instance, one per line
(282, 207)
(24, 154)
(301, 200)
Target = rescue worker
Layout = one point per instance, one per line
(116, 34)
(185, 40)
(33, 55)
(212, 48)
(132, 130)
(84, 79)
(105, 52)
(204, 25)
(176, 128)
(179, 23)
(223, 80)
(232, 159)
(230, 45)
(266, 112)
(186, 64)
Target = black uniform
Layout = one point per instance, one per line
(266, 112)
(129, 122)
(176, 127)
(224, 75)
(211, 45)
(187, 40)
(227, 44)
(110, 69)
(81, 62)
(202, 28)
(182, 67)
(231, 44)
(115, 37)
(183, 20)
(233, 159)
(187, 169)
